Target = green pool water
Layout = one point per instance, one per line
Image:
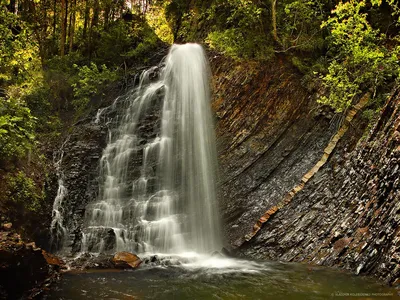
(219, 278)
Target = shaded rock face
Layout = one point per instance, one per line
(348, 215)
(270, 133)
(23, 268)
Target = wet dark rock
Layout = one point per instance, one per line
(90, 261)
(79, 165)
(216, 254)
(270, 133)
(53, 260)
(226, 252)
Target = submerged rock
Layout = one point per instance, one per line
(126, 260)
(89, 261)
(216, 254)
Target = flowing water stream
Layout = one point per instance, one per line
(157, 195)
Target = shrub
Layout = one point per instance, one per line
(23, 193)
(243, 36)
(91, 81)
(16, 129)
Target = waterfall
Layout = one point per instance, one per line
(58, 232)
(158, 170)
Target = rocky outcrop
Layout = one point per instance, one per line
(314, 170)
(270, 132)
(24, 271)
(348, 214)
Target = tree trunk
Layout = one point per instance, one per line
(72, 25)
(63, 26)
(54, 18)
(274, 29)
(106, 15)
(95, 21)
(96, 10)
(87, 16)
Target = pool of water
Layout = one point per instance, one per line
(200, 277)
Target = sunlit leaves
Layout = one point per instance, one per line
(18, 52)
(360, 61)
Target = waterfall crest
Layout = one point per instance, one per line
(157, 191)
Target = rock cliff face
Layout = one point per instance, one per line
(348, 214)
(270, 133)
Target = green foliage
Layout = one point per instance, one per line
(111, 43)
(234, 43)
(148, 41)
(299, 25)
(16, 129)
(91, 81)
(360, 61)
(242, 36)
(23, 192)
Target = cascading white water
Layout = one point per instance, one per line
(167, 203)
(58, 232)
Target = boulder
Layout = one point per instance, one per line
(7, 226)
(53, 260)
(126, 260)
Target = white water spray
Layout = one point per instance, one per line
(169, 203)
